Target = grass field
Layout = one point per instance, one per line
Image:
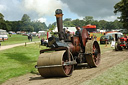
(14, 39)
(21, 60)
(117, 75)
(18, 61)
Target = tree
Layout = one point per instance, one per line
(122, 7)
(26, 21)
(95, 22)
(25, 18)
(1, 17)
(110, 26)
(88, 19)
(3, 25)
(39, 26)
(103, 24)
(118, 25)
(68, 22)
(68, 19)
(78, 22)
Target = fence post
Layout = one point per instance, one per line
(39, 45)
(25, 44)
(0, 44)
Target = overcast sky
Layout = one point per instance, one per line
(44, 10)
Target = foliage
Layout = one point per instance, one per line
(122, 7)
(1, 17)
(3, 25)
(67, 22)
(88, 19)
(38, 26)
(25, 18)
(101, 24)
(25, 24)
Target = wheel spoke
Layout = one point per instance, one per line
(67, 68)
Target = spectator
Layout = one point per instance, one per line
(38, 35)
(42, 41)
(30, 37)
(125, 36)
(68, 35)
(95, 37)
(78, 32)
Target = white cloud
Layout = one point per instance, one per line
(2, 8)
(108, 18)
(42, 19)
(42, 7)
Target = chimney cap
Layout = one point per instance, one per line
(58, 11)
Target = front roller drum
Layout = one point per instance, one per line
(92, 51)
(54, 64)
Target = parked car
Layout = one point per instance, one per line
(104, 39)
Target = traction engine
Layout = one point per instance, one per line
(63, 54)
(122, 43)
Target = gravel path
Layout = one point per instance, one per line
(14, 45)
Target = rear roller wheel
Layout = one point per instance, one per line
(92, 50)
(117, 46)
(53, 64)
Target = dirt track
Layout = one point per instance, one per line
(108, 59)
(14, 45)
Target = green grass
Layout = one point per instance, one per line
(97, 34)
(14, 39)
(105, 48)
(18, 61)
(117, 75)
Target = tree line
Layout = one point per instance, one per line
(101, 24)
(25, 24)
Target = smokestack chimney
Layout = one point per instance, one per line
(59, 15)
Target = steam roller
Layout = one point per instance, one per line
(66, 51)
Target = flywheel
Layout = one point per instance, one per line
(92, 51)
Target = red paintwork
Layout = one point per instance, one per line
(89, 26)
(123, 39)
(84, 36)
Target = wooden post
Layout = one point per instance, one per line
(39, 45)
(106, 43)
(25, 44)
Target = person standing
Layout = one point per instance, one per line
(95, 37)
(78, 31)
(42, 41)
(30, 37)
